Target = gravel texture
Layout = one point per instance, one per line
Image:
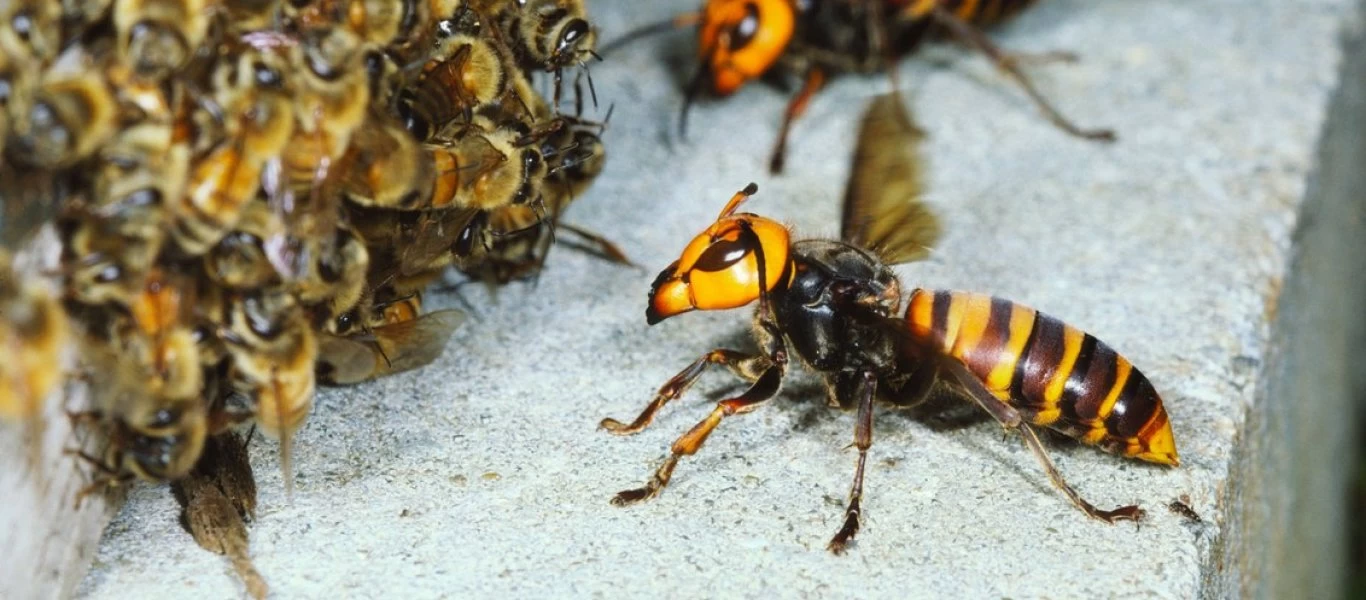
(485, 473)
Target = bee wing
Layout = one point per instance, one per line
(429, 238)
(883, 211)
(344, 361)
(385, 350)
(412, 344)
(28, 198)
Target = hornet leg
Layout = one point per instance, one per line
(1004, 61)
(865, 387)
(743, 365)
(1011, 419)
(815, 80)
(764, 389)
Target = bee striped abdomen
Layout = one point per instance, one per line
(1056, 375)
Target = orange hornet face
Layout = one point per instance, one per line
(741, 39)
(719, 268)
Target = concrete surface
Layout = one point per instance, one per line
(485, 473)
(1292, 474)
(47, 539)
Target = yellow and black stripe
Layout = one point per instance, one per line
(1056, 375)
(978, 12)
(987, 12)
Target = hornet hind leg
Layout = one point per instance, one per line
(1010, 418)
(1010, 64)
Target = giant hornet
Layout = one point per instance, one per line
(742, 40)
(837, 305)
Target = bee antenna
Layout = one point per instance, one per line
(580, 159)
(592, 91)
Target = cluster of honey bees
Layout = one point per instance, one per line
(251, 196)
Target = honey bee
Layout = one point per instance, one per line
(837, 306)
(333, 280)
(258, 110)
(334, 94)
(33, 332)
(239, 261)
(103, 262)
(549, 35)
(161, 315)
(462, 73)
(386, 167)
(397, 338)
(379, 23)
(31, 31)
(482, 166)
(742, 40)
(575, 155)
(152, 394)
(143, 167)
(157, 37)
(410, 249)
(29, 39)
(490, 165)
(273, 350)
(72, 113)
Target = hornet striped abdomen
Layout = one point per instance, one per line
(985, 12)
(1054, 374)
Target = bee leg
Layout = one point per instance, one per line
(83, 418)
(966, 32)
(764, 389)
(815, 80)
(865, 388)
(105, 477)
(743, 365)
(1010, 418)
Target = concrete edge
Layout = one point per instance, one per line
(1285, 506)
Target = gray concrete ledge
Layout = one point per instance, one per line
(484, 474)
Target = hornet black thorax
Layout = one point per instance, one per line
(834, 311)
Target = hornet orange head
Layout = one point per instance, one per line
(732, 263)
(741, 39)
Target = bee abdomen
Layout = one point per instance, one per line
(1056, 375)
